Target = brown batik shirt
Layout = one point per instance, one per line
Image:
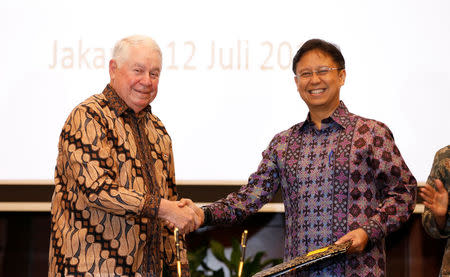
(113, 168)
(440, 170)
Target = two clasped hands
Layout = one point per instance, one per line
(183, 214)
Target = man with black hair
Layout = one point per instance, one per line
(341, 175)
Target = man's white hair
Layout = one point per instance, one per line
(121, 49)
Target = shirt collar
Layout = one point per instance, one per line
(337, 116)
(119, 106)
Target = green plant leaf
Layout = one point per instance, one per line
(196, 258)
(252, 265)
(219, 252)
(271, 262)
(235, 254)
(257, 258)
(250, 269)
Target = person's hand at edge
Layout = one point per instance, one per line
(436, 201)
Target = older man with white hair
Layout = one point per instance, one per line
(115, 179)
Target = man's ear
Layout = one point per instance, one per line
(342, 75)
(112, 68)
(296, 82)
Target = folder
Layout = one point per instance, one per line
(305, 260)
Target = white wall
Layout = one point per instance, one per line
(54, 54)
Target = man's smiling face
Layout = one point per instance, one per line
(319, 92)
(136, 78)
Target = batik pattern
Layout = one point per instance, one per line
(113, 168)
(440, 170)
(346, 176)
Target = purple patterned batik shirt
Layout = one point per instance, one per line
(348, 175)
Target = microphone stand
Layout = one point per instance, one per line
(243, 247)
(177, 245)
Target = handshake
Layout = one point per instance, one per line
(183, 214)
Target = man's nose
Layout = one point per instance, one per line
(146, 80)
(315, 78)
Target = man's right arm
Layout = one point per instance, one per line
(88, 168)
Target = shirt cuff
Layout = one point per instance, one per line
(151, 205)
(373, 230)
(208, 216)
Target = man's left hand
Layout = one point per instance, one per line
(359, 240)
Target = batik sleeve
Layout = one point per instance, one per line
(395, 185)
(260, 189)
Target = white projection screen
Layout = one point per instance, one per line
(227, 86)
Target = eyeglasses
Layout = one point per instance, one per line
(322, 71)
